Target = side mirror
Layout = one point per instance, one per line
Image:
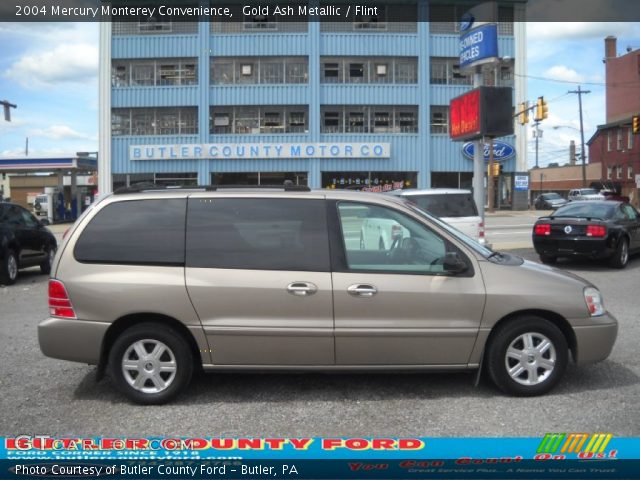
(44, 222)
(453, 263)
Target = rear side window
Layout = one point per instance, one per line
(446, 205)
(138, 232)
(257, 234)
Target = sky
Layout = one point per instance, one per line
(50, 70)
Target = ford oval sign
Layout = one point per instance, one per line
(466, 22)
(501, 151)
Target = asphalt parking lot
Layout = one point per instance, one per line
(46, 396)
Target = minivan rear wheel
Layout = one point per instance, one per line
(150, 363)
(527, 356)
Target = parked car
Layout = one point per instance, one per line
(453, 206)
(549, 201)
(24, 242)
(593, 229)
(578, 194)
(150, 285)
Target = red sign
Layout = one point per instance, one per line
(464, 114)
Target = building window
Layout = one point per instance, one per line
(357, 73)
(330, 72)
(439, 119)
(265, 70)
(160, 72)
(154, 121)
(369, 70)
(369, 119)
(332, 121)
(258, 178)
(357, 120)
(619, 139)
(370, 181)
(375, 18)
(608, 140)
(260, 22)
(152, 26)
(629, 172)
(629, 139)
(242, 120)
(619, 172)
(609, 172)
(446, 71)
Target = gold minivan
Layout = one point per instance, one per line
(152, 284)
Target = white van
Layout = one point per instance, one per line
(454, 206)
(40, 205)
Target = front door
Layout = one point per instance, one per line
(257, 272)
(396, 305)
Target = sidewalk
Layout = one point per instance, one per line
(518, 213)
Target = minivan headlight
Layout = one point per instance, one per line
(594, 301)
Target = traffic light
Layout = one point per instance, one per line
(635, 124)
(496, 169)
(523, 115)
(542, 111)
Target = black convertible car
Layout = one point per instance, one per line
(593, 229)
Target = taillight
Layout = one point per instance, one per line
(596, 231)
(59, 303)
(542, 229)
(64, 235)
(396, 231)
(480, 230)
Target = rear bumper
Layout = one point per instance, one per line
(595, 342)
(569, 247)
(74, 340)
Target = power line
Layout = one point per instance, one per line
(597, 84)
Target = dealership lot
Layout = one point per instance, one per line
(46, 396)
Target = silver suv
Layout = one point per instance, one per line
(152, 285)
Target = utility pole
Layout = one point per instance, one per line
(7, 111)
(536, 134)
(580, 92)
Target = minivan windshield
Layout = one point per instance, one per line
(468, 241)
(446, 205)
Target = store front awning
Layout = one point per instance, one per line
(48, 164)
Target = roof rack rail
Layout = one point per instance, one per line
(286, 187)
(150, 187)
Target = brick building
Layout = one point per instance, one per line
(614, 145)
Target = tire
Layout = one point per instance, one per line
(144, 382)
(539, 369)
(9, 268)
(621, 257)
(548, 259)
(45, 266)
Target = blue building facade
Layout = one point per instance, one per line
(359, 103)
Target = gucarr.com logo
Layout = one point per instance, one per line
(556, 446)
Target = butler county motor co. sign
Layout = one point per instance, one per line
(235, 151)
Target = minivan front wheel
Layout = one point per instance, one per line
(150, 363)
(9, 268)
(527, 356)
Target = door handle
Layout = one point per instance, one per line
(362, 290)
(302, 289)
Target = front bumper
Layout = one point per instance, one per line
(595, 342)
(74, 340)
